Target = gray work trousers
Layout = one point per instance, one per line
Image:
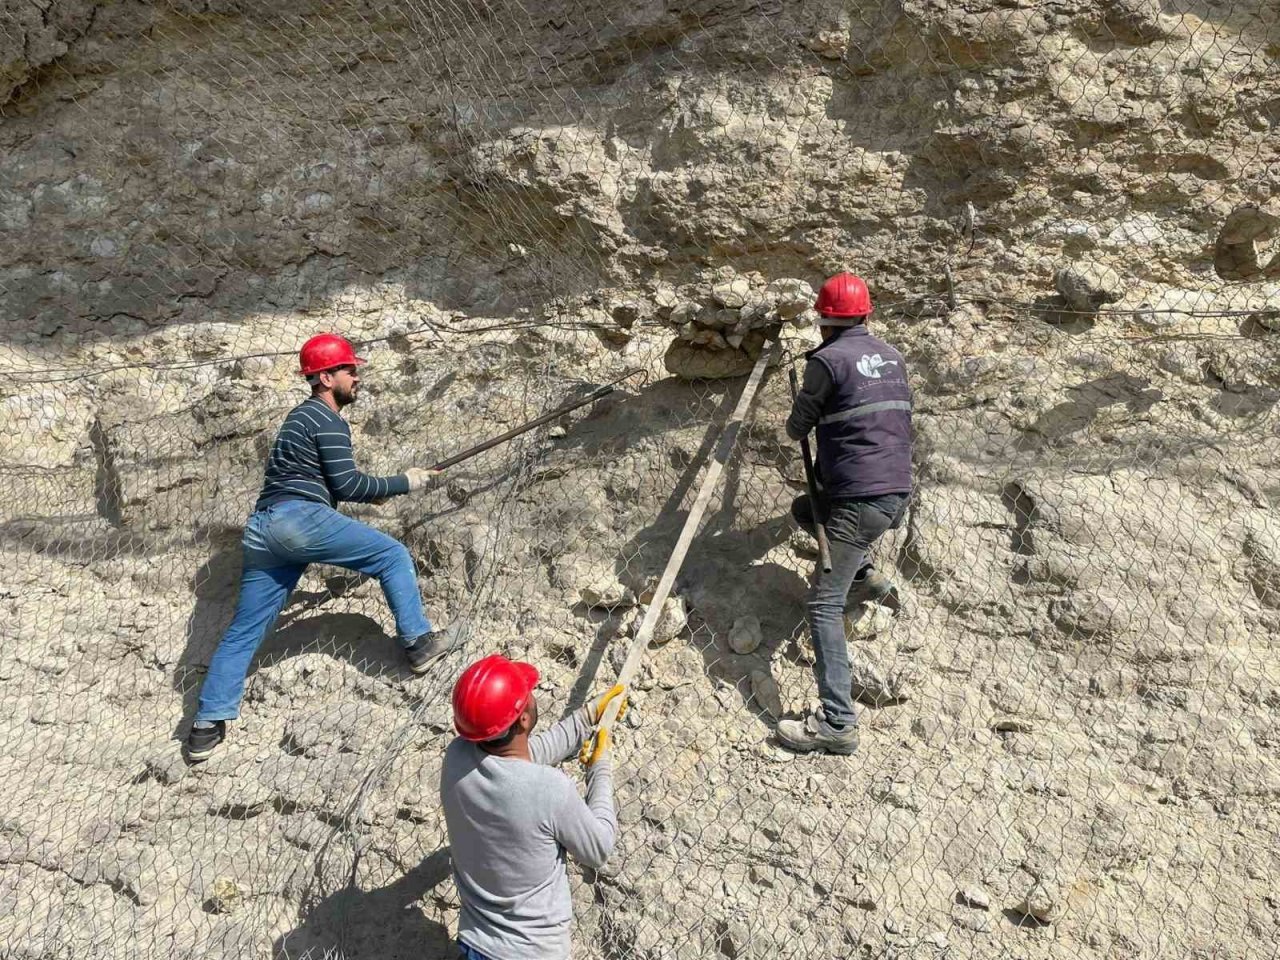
(853, 525)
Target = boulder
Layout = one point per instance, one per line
(746, 635)
(792, 297)
(764, 689)
(1043, 902)
(689, 362)
(1086, 287)
(732, 293)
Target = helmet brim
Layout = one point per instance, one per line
(353, 362)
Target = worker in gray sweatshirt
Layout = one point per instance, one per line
(512, 816)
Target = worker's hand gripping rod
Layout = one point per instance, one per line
(728, 438)
(811, 481)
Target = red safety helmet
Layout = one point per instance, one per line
(490, 695)
(844, 295)
(326, 351)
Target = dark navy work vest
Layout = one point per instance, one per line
(864, 433)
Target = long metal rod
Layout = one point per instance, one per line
(811, 481)
(728, 438)
(514, 432)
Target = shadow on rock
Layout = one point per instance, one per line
(354, 637)
(381, 924)
(1074, 416)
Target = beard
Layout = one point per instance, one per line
(345, 398)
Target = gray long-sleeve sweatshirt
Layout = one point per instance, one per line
(510, 823)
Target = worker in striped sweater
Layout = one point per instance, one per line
(311, 469)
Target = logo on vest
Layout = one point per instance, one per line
(870, 365)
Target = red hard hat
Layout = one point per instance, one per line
(326, 351)
(490, 695)
(844, 295)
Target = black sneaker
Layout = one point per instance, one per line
(431, 646)
(202, 741)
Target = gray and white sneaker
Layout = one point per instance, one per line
(432, 646)
(813, 733)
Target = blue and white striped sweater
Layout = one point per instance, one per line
(312, 459)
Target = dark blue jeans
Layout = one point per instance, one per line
(853, 525)
(469, 953)
(278, 544)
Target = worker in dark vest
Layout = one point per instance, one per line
(857, 397)
(311, 469)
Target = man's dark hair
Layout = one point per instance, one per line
(506, 738)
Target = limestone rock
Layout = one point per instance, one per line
(340, 728)
(732, 293)
(1086, 287)
(1237, 252)
(1043, 902)
(226, 895)
(877, 686)
(977, 921)
(764, 689)
(1092, 614)
(867, 620)
(792, 297)
(673, 619)
(896, 793)
(1262, 548)
(690, 362)
(1134, 21)
(1183, 361)
(32, 36)
(746, 635)
(598, 587)
(167, 766)
(685, 171)
(973, 896)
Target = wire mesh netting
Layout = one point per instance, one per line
(1067, 215)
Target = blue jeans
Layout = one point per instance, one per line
(853, 525)
(469, 953)
(278, 544)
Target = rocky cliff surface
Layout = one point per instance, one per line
(1067, 211)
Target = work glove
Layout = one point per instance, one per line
(599, 742)
(596, 709)
(418, 477)
(597, 746)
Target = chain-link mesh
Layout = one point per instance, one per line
(1066, 211)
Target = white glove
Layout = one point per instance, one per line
(418, 477)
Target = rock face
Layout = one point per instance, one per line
(35, 35)
(1066, 213)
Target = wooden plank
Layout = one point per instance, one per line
(710, 479)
